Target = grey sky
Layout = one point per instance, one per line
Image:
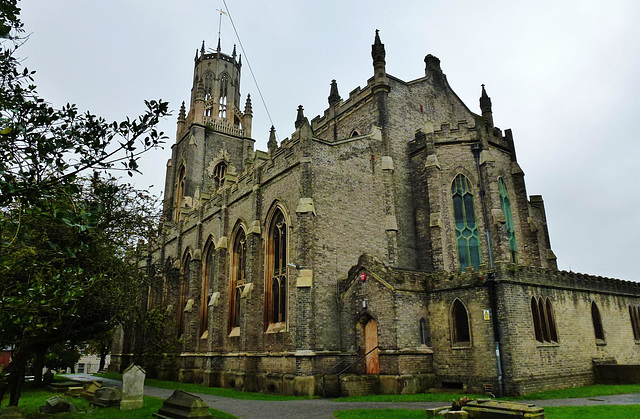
(561, 74)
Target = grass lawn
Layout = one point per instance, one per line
(32, 399)
(569, 393)
(216, 391)
(444, 397)
(568, 412)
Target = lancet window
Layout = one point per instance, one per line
(460, 332)
(505, 203)
(208, 275)
(237, 277)
(544, 324)
(276, 272)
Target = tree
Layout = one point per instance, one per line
(69, 264)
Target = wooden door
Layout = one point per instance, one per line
(371, 341)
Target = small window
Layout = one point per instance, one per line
(219, 174)
(355, 133)
(635, 321)
(597, 321)
(425, 339)
(544, 325)
(460, 323)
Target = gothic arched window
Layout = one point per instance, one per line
(459, 323)
(184, 289)
(237, 277)
(597, 321)
(505, 203)
(635, 321)
(219, 174)
(208, 275)
(424, 333)
(224, 85)
(182, 180)
(465, 223)
(544, 324)
(276, 273)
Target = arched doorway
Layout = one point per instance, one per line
(371, 344)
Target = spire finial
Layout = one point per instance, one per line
(218, 49)
(485, 107)
(202, 48)
(377, 49)
(248, 109)
(182, 114)
(334, 96)
(272, 144)
(300, 117)
(234, 51)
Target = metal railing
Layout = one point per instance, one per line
(324, 393)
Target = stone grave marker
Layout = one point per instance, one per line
(57, 405)
(183, 405)
(107, 396)
(132, 388)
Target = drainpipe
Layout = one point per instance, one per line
(475, 149)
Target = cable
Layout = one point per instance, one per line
(249, 65)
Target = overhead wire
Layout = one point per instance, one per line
(249, 65)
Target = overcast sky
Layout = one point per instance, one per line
(563, 75)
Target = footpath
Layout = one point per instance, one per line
(324, 408)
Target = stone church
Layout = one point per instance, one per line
(387, 246)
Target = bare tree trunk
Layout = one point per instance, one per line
(38, 366)
(103, 357)
(15, 383)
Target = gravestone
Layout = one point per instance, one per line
(132, 388)
(47, 378)
(107, 396)
(57, 405)
(90, 389)
(182, 405)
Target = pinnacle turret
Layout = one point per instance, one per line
(272, 144)
(485, 107)
(182, 114)
(202, 49)
(377, 49)
(334, 96)
(300, 117)
(248, 110)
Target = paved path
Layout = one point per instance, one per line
(324, 408)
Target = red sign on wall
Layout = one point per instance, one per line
(363, 277)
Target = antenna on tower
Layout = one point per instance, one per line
(222, 12)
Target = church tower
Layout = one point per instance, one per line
(213, 136)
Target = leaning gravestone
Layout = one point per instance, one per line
(132, 388)
(57, 405)
(182, 405)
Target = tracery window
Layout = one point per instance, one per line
(276, 272)
(208, 274)
(465, 223)
(237, 277)
(505, 203)
(219, 174)
(597, 321)
(634, 314)
(182, 179)
(182, 293)
(460, 332)
(544, 324)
